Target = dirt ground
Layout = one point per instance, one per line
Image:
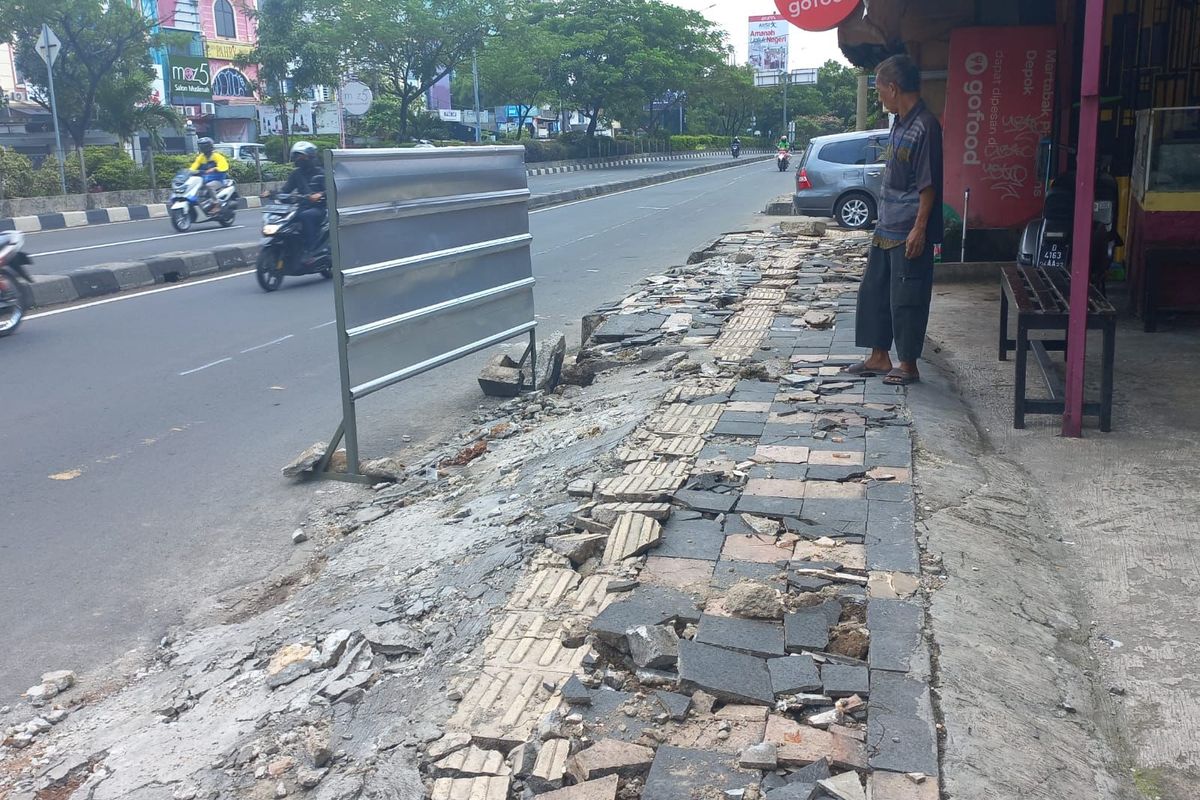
(1067, 626)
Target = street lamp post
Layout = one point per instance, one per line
(475, 82)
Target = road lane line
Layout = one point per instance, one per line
(132, 241)
(323, 325)
(206, 366)
(268, 344)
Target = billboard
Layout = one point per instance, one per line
(769, 43)
(999, 105)
(189, 76)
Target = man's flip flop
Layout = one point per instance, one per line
(899, 377)
(861, 369)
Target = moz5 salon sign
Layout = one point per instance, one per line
(189, 76)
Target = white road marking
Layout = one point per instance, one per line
(268, 344)
(206, 366)
(323, 325)
(132, 241)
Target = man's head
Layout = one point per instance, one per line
(304, 155)
(206, 145)
(895, 77)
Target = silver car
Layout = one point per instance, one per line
(840, 177)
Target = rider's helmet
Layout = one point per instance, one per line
(206, 145)
(303, 152)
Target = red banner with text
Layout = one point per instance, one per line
(816, 15)
(999, 105)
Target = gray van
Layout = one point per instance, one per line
(840, 177)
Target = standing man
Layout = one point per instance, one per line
(896, 289)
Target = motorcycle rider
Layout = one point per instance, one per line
(308, 179)
(737, 145)
(212, 165)
(784, 144)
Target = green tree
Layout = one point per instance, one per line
(724, 102)
(516, 67)
(298, 48)
(404, 47)
(104, 45)
(617, 56)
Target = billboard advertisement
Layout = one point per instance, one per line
(999, 105)
(769, 43)
(189, 76)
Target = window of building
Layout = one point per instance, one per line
(226, 24)
(231, 83)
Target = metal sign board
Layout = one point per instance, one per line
(431, 251)
(356, 98)
(768, 48)
(48, 46)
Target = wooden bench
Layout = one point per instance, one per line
(1040, 296)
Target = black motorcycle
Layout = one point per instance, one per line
(14, 297)
(282, 251)
(736, 149)
(1048, 241)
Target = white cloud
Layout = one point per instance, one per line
(805, 49)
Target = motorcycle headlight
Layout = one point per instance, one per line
(270, 229)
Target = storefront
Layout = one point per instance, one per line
(1030, 92)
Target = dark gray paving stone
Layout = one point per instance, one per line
(757, 387)
(727, 573)
(850, 445)
(773, 431)
(624, 326)
(887, 458)
(832, 609)
(679, 774)
(674, 705)
(806, 629)
(575, 693)
(817, 472)
(772, 780)
(646, 605)
(891, 520)
(831, 511)
(841, 680)
(890, 492)
(895, 627)
(788, 472)
(706, 501)
(759, 417)
(800, 584)
(748, 430)
(725, 674)
(900, 709)
(891, 538)
(793, 791)
(733, 452)
(816, 771)
(794, 674)
(685, 541)
(770, 506)
(756, 637)
(606, 717)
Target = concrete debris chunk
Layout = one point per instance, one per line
(500, 381)
(760, 756)
(61, 680)
(575, 693)
(847, 786)
(632, 535)
(675, 706)
(610, 757)
(653, 646)
(288, 655)
(577, 547)
(450, 743)
(581, 488)
(602, 789)
(754, 600)
(551, 354)
(471, 761)
(481, 788)
(395, 639)
(306, 461)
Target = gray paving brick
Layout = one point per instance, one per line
(748, 430)
(895, 627)
(842, 680)
(890, 492)
(831, 511)
(770, 506)
(707, 501)
(794, 674)
(727, 573)
(756, 637)
(678, 773)
(725, 674)
(806, 629)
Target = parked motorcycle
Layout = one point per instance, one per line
(782, 159)
(282, 252)
(191, 203)
(13, 298)
(1047, 241)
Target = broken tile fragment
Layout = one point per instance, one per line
(755, 637)
(632, 535)
(685, 773)
(653, 646)
(610, 757)
(806, 630)
(843, 680)
(794, 675)
(601, 789)
(725, 674)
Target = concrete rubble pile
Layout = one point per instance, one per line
(696, 579)
(702, 626)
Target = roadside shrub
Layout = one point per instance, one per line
(277, 149)
(540, 150)
(16, 174)
(45, 178)
(112, 170)
(166, 166)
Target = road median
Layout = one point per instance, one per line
(176, 267)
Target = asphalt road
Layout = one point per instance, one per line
(58, 252)
(143, 435)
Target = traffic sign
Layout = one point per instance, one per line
(816, 15)
(48, 46)
(356, 98)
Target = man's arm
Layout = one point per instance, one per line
(915, 245)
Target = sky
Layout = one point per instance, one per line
(805, 49)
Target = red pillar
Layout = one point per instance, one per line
(1085, 195)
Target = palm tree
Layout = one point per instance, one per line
(128, 121)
